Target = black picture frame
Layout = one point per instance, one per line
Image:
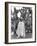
(6, 22)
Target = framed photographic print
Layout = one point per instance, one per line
(20, 22)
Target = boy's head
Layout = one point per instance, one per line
(21, 19)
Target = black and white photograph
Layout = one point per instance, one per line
(20, 22)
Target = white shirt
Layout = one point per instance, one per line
(21, 29)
